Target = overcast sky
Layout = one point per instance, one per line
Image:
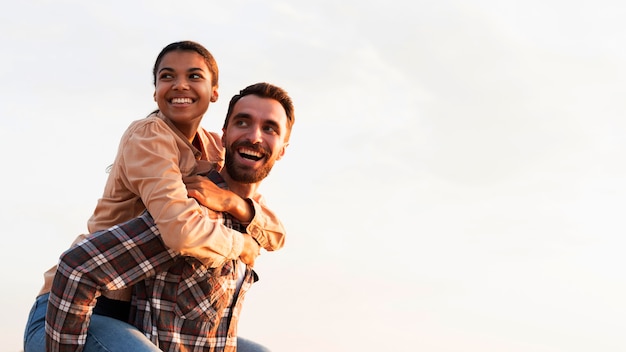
(455, 179)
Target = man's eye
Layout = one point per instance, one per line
(240, 123)
(273, 129)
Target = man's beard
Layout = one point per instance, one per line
(244, 174)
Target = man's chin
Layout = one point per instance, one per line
(248, 176)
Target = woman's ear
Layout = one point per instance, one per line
(214, 95)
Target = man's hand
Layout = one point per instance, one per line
(251, 250)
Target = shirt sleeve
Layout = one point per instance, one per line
(107, 260)
(265, 226)
(149, 159)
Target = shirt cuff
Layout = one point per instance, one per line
(255, 227)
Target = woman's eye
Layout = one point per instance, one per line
(195, 76)
(165, 76)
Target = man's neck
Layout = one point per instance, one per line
(244, 190)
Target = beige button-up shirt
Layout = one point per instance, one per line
(147, 174)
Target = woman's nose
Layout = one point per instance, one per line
(181, 83)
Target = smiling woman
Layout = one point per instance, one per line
(184, 88)
(475, 147)
(155, 155)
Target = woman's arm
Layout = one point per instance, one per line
(263, 225)
(149, 162)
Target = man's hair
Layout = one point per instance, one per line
(188, 45)
(266, 90)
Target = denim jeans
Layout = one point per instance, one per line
(104, 335)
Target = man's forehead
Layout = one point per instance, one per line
(260, 107)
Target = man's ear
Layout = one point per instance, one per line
(282, 151)
(223, 134)
(214, 95)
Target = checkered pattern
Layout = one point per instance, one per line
(180, 304)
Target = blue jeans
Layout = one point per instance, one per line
(104, 335)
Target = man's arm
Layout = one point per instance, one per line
(107, 260)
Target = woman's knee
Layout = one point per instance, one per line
(110, 334)
(245, 345)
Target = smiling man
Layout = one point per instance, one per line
(178, 303)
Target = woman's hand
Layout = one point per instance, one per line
(251, 250)
(211, 196)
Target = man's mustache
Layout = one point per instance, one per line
(257, 147)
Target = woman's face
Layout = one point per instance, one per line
(183, 89)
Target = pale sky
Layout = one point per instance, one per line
(455, 179)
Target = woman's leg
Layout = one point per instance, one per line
(104, 334)
(35, 332)
(245, 345)
(109, 334)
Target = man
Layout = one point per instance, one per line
(178, 303)
(155, 155)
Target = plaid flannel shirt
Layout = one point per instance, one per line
(180, 304)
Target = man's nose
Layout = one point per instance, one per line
(255, 134)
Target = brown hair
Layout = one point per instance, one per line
(188, 45)
(266, 90)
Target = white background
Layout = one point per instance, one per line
(455, 179)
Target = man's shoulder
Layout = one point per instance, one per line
(216, 178)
